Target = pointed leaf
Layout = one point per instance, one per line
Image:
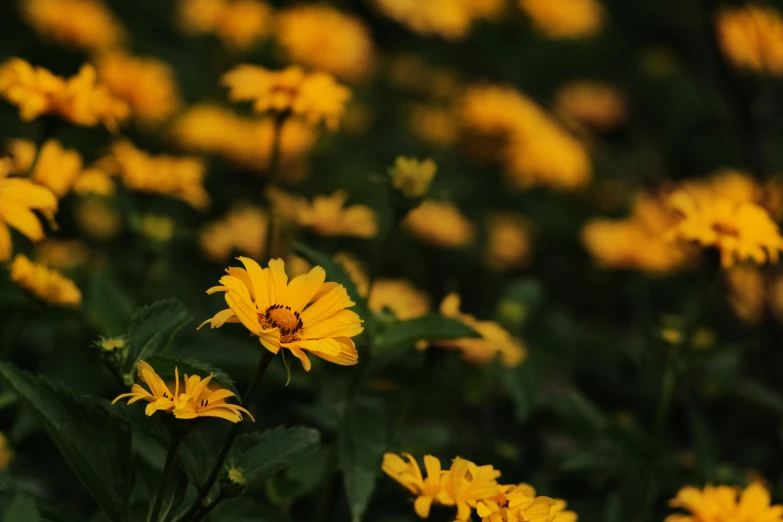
(152, 329)
(22, 509)
(430, 327)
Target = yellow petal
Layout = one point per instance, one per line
(328, 305)
(302, 288)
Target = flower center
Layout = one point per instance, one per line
(500, 499)
(288, 321)
(725, 229)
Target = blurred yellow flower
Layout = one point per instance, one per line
(596, 105)
(565, 18)
(355, 270)
(326, 39)
(518, 503)
(62, 254)
(196, 400)
(440, 223)
(314, 96)
(83, 24)
(57, 168)
(80, 99)
(494, 340)
(94, 181)
(148, 85)
(236, 476)
(509, 242)
(751, 37)
(400, 296)
(18, 198)
(176, 177)
(245, 141)
(745, 292)
(561, 513)
(157, 228)
(434, 125)
(47, 285)
(721, 504)
(304, 315)
(238, 24)
(409, 72)
(326, 215)
(111, 344)
(413, 177)
(242, 230)
(6, 453)
(98, 219)
(738, 230)
(450, 19)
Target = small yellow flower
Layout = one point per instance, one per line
(520, 503)
(467, 484)
(98, 219)
(6, 453)
(62, 254)
(434, 125)
(111, 344)
(408, 474)
(509, 242)
(440, 223)
(237, 477)
(450, 19)
(304, 315)
(196, 400)
(243, 230)
(401, 297)
(238, 24)
(57, 168)
(751, 37)
(565, 18)
(725, 504)
(413, 177)
(593, 104)
(83, 24)
(157, 228)
(47, 285)
(94, 181)
(18, 199)
(326, 215)
(313, 96)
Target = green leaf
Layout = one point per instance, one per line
(22, 509)
(261, 455)
(164, 366)
(175, 493)
(759, 395)
(94, 445)
(152, 329)
(108, 307)
(522, 385)
(429, 327)
(363, 439)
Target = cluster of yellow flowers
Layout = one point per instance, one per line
(82, 24)
(237, 24)
(725, 504)
(565, 18)
(326, 215)
(47, 285)
(450, 19)
(751, 37)
(469, 486)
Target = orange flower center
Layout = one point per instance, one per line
(286, 320)
(500, 499)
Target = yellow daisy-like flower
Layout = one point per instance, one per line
(596, 105)
(47, 285)
(196, 400)
(98, 219)
(427, 490)
(57, 167)
(565, 18)
(509, 242)
(94, 181)
(450, 19)
(434, 125)
(238, 24)
(400, 296)
(725, 504)
(243, 230)
(18, 198)
(304, 315)
(467, 484)
(326, 215)
(739, 231)
(314, 96)
(440, 223)
(412, 177)
(84, 24)
(751, 37)
(518, 504)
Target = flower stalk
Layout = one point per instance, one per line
(177, 436)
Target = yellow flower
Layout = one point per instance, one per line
(434, 125)
(355, 270)
(18, 199)
(157, 228)
(400, 296)
(84, 24)
(47, 285)
(738, 230)
(94, 181)
(326, 39)
(519, 504)
(57, 168)
(303, 315)
(197, 399)
(80, 99)
(494, 340)
(111, 344)
(180, 178)
(408, 474)
(6, 453)
(413, 177)
(450, 19)
(594, 104)
(146, 84)
(745, 292)
(242, 230)
(721, 504)
(509, 244)
(751, 37)
(440, 223)
(326, 215)
(467, 484)
(62, 254)
(236, 476)
(238, 24)
(314, 96)
(564, 18)
(98, 219)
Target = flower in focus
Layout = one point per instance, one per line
(315, 96)
(520, 503)
(596, 105)
(725, 504)
(745, 292)
(62, 254)
(57, 168)
(509, 244)
(326, 39)
(738, 230)
(243, 230)
(238, 24)
(6, 453)
(751, 37)
(18, 198)
(83, 24)
(450, 19)
(494, 340)
(413, 177)
(80, 99)
(326, 215)
(399, 296)
(196, 400)
(427, 490)
(440, 223)
(112, 344)
(146, 84)
(304, 315)
(180, 178)
(236, 477)
(47, 285)
(468, 484)
(565, 18)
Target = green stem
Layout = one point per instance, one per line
(206, 510)
(171, 457)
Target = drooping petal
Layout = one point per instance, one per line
(22, 219)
